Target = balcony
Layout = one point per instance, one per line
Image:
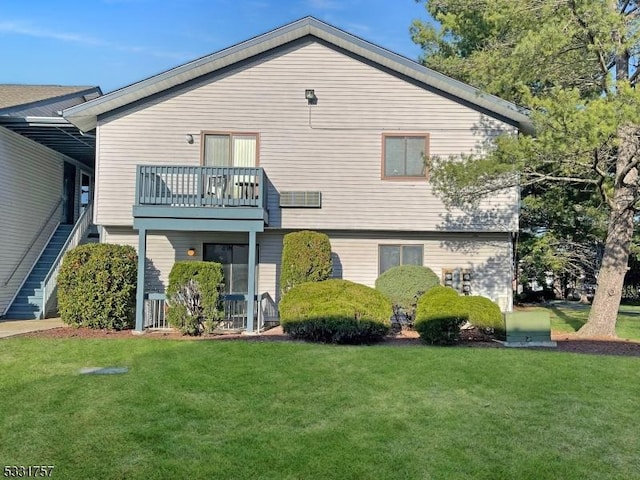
(207, 193)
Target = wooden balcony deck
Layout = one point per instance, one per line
(180, 191)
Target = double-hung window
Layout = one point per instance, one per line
(390, 256)
(404, 156)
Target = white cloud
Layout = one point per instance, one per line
(18, 28)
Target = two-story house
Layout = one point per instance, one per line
(304, 127)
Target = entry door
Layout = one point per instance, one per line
(234, 150)
(85, 190)
(235, 264)
(68, 193)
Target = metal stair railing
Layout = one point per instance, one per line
(75, 237)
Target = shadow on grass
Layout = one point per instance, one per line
(573, 321)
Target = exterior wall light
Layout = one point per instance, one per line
(191, 252)
(189, 138)
(310, 95)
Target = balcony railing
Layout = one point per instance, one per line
(234, 308)
(185, 186)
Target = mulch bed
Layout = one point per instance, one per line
(566, 342)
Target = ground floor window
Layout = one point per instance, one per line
(235, 264)
(393, 255)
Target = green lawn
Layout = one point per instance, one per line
(568, 317)
(211, 409)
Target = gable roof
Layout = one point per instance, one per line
(13, 95)
(85, 116)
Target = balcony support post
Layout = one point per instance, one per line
(142, 255)
(251, 293)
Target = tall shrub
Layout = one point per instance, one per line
(193, 296)
(306, 257)
(335, 311)
(97, 286)
(403, 285)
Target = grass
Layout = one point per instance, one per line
(568, 317)
(204, 409)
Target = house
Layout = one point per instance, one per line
(304, 127)
(46, 177)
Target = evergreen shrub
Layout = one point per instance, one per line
(485, 314)
(335, 311)
(306, 257)
(97, 286)
(404, 285)
(194, 303)
(439, 315)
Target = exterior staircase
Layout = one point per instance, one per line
(28, 302)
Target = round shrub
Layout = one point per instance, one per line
(193, 296)
(306, 257)
(404, 285)
(97, 286)
(485, 314)
(439, 315)
(335, 311)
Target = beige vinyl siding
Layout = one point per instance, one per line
(165, 248)
(30, 187)
(334, 147)
(355, 256)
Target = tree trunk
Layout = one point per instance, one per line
(606, 302)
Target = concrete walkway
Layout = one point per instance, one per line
(9, 328)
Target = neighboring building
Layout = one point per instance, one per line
(305, 127)
(46, 174)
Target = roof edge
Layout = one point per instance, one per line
(45, 101)
(84, 116)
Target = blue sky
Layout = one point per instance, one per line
(113, 43)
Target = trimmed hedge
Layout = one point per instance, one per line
(306, 257)
(404, 285)
(439, 315)
(97, 286)
(193, 296)
(335, 311)
(485, 314)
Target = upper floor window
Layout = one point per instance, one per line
(405, 155)
(394, 255)
(230, 149)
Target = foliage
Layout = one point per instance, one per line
(97, 286)
(403, 285)
(556, 58)
(193, 296)
(439, 315)
(306, 257)
(335, 311)
(485, 314)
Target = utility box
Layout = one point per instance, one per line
(528, 329)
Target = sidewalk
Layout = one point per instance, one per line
(9, 328)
